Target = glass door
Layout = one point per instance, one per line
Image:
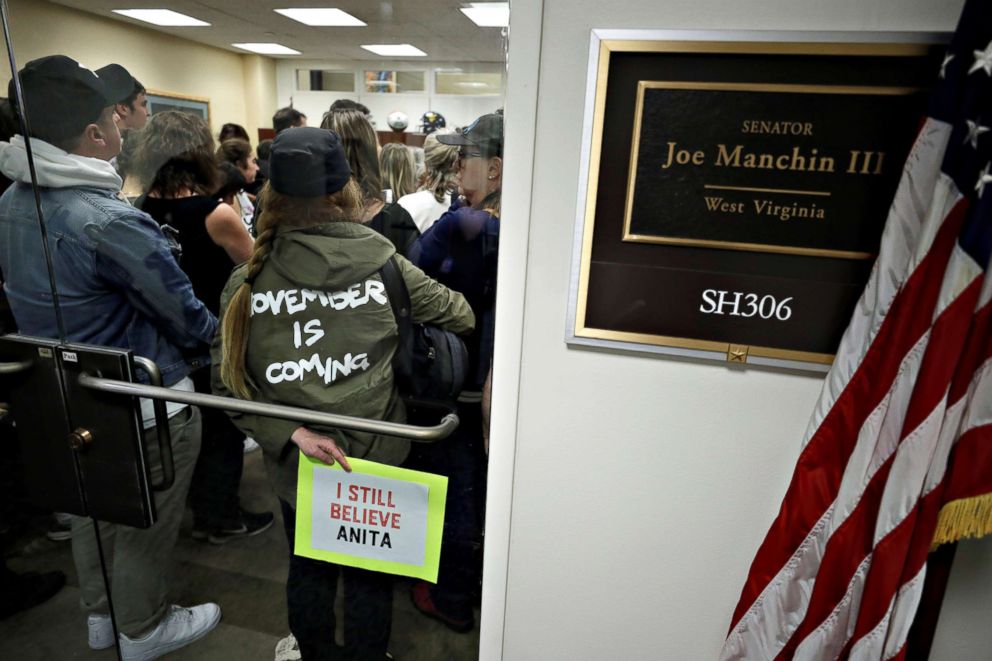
(43, 504)
(146, 178)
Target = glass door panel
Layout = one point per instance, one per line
(43, 503)
(129, 208)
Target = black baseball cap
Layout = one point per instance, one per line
(63, 97)
(308, 162)
(485, 133)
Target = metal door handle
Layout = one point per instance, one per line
(15, 367)
(12, 368)
(413, 432)
(161, 426)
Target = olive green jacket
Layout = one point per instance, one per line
(322, 337)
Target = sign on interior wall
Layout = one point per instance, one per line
(737, 190)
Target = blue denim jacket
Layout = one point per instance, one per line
(118, 283)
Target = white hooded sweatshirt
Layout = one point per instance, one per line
(55, 167)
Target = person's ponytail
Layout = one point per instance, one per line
(237, 320)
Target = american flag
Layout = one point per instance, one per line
(903, 427)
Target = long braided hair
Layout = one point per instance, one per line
(278, 211)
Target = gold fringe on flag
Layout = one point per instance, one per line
(968, 517)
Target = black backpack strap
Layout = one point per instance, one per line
(399, 300)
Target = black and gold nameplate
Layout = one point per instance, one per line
(738, 190)
(797, 169)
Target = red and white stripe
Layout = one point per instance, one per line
(968, 421)
(839, 572)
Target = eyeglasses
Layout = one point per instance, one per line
(463, 154)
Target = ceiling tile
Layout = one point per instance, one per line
(434, 26)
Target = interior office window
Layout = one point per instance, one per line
(328, 81)
(460, 82)
(395, 82)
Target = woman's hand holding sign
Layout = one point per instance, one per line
(320, 447)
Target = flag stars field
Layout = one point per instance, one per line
(983, 178)
(975, 131)
(943, 65)
(983, 60)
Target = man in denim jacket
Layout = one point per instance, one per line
(118, 285)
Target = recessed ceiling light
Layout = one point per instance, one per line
(267, 49)
(395, 50)
(164, 17)
(322, 16)
(488, 14)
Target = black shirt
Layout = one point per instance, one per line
(205, 262)
(396, 224)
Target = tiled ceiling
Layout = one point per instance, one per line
(434, 26)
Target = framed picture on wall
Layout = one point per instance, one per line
(159, 101)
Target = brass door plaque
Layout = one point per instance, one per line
(737, 191)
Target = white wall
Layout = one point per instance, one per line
(641, 487)
(457, 110)
(963, 631)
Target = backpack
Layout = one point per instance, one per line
(395, 223)
(430, 364)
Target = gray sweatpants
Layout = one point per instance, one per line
(138, 560)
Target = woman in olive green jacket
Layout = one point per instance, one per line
(306, 323)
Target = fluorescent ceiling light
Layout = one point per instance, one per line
(164, 17)
(488, 14)
(322, 16)
(267, 49)
(395, 50)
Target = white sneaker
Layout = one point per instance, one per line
(101, 632)
(180, 627)
(288, 649)
(251, 445)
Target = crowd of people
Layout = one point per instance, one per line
(158, 248)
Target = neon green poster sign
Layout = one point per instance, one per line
(377, 517)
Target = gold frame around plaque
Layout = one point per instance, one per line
(738, 87)
(608, 46)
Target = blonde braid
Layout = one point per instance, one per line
(237, 320)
